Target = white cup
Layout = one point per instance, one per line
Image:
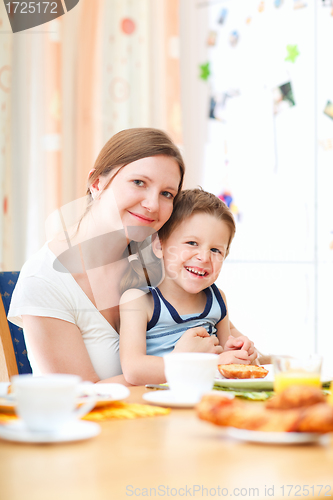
(48, 402)
(190, 374)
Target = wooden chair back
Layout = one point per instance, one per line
(13, 354)
(8, 365)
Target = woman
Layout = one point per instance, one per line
(67, 295)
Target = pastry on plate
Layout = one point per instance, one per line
(242, 371)
(296, 396)
(242, 415)
(317, 417)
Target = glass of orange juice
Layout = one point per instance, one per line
(296, 371)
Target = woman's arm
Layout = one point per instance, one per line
(58, 347)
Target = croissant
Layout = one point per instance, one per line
(296, 396)
(310, 416)
(233, 413)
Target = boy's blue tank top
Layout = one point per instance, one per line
(166, 326)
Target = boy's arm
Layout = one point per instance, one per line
(240, 348)
(138, 368)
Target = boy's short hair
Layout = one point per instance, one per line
(193, 201)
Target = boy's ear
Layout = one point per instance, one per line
(157, 246)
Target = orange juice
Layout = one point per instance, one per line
(285, 379)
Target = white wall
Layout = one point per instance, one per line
(278, 277)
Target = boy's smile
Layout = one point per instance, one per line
(197, 271)
(194, 252)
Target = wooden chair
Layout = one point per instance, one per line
(13, 353)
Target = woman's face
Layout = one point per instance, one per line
(144, 191)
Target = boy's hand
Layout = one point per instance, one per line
(243, 343)
(198, 340)
(239, 357)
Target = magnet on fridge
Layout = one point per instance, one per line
(328, 111)
(204, 71)
(211, 40)
(326, 144)
(227, 198)
(283, 97)
(299, 4)
(222, 16)
(293, 53)
(233, 38)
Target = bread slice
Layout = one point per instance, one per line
(242, 371)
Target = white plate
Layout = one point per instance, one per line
(274, 437)
(105, 393)
(73, 431)
(256, 384)
(171, 400)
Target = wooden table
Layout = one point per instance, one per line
(177, 453)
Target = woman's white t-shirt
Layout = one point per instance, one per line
(43, 291)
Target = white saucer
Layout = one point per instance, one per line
(172, 400)
(73, 431)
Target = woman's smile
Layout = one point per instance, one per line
(141, 218)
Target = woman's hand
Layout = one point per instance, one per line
(242, 342)
(198, 340)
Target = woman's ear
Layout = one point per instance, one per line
(95, 187)
(157, 246)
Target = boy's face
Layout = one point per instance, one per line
(194, 253)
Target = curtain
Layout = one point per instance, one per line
(5, 143)
(76, 81)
